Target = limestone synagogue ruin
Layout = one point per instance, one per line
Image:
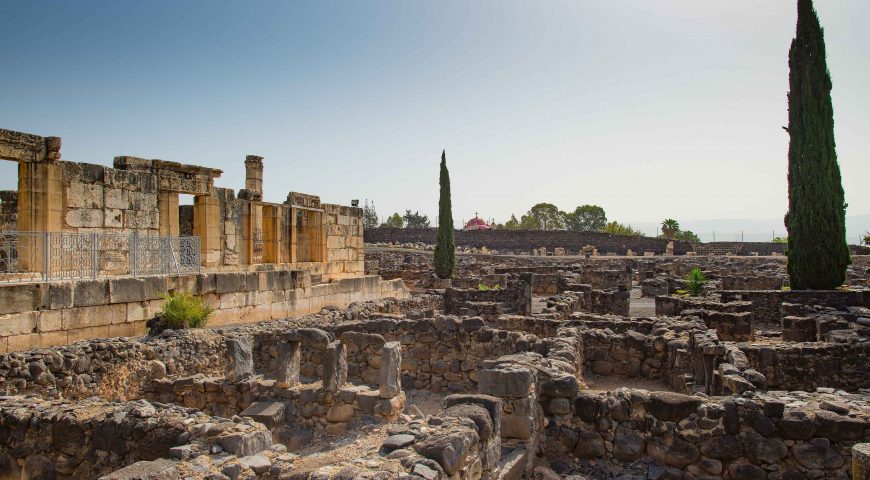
(236, 338)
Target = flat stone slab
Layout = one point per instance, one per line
(401, 440)
(161, 469)
(269, 414)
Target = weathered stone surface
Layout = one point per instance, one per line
(240, 364)
(390, 370)
(161, 469)
(289, 358)
(506, 381)
(270, 414)
(450, 449)
(334, 366)
(672, 407)
(394, 442)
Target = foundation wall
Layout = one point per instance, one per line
(47, 314)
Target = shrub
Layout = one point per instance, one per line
(485, 288)
(180, 310)
(695, 282)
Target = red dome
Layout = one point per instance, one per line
(477, 223)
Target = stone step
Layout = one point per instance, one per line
(270, 414)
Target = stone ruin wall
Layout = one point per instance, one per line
(57, 313)
(527, 240)
(141, 196)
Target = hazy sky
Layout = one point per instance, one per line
(652, 109)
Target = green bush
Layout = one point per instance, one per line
(183, 310)
(485, 288)
(695, 282)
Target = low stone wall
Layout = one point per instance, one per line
(117, 368)
(527, 240)
(90, 438)
(807, 366)
(515, 297)
(48, 314)
(767, 304)
(668, 435)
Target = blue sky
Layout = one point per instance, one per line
(651, 109)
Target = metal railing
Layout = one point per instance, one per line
(49, 256)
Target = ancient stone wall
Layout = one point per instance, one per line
(663, 433)
(807, 366)
(527, 240)
(45, 314)
(91, 438)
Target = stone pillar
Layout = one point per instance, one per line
(521, 418)
(289, 355)
(167, 203)
(207, 225)
(390, 377)
(254, 176)
(669, 249)
(861, 461)
(271, 235)
(240, 360)
(334, 366)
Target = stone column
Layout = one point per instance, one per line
(334, 366)
(289, 355)
(390, 377)
(254, 175)
(207, 225)
(240, 360)
(167, 203)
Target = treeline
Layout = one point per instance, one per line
(543, 216)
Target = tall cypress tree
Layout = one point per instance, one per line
(445, 248)
(816, 220)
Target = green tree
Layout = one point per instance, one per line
(670, 227)
(394, 221)
(415, 220)
(616, 228)
(512, 224)
(866, 238)
(780, 240)
(687, 236)
(445, 247)
(543, 216)
(370, 216)
(816, 220)
(586, 218)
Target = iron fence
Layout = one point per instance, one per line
(49, 256)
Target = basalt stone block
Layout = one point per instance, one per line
(628, 445)
(362, 340)
(798, 425)
(838, 427)
(246, 443)
(288, 364)
(161, 469)
(493, 405)
(390, 375)
(672, 407)
(449, 449)
(586, 406)
(723, 447)
(334, 366)
(761, 449)
(589, 445)
(310, 336)
(506, 381)
(673, 451)
(476, 413)
(240, 364)
(269, 414)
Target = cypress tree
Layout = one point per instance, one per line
(816, 220)
(445, 248)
